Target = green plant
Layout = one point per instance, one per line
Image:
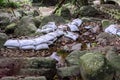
(7, 3)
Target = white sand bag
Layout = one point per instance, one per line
(77, 22)
(59, 32)
(71, 35)
(41, 46)
(48, 37)
(26, 42)
(39, 40)
(47, 30)
(73, 27)
(27, 47)
(62, 27)
(51, 42)
(12, 43)
(111, 29)
(49, 27)
(55, 56)
(118, 33)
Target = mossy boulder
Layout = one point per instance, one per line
(52, 18)
(87, 11)
(114, 59)
(26, 26)
(73, 57)
(68, 71)
(39, 62)
(65, 13)
(3, 38)
(94, 66)
(5, 19)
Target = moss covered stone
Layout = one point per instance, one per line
(95, 67)
(73, 57)
(52, 18)
(68, 71)
(26, 26)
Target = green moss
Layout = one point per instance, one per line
(52, 18)
(95, 67)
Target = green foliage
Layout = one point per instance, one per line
(1, 1)
(7, 3)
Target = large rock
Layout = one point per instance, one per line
(3, 38)
(52, 18)
(5, 19)
(65, 13)
(73, 57)
(106, 38)
(114, 59)
(95, 67)
(26, 26)
(68, 71)
(88, 11)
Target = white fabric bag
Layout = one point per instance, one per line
(42, 46)
(26, 42)
(12, 43)
(71, 35)
(27, 47)
(39, 40)
(111, 29)
(55, 56)
(73, 27)
(49, 27)
(77, 22)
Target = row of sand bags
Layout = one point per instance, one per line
(43, 42)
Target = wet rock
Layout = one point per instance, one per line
(95, 67)
(3, 38)
(88, 11)
(68, 71)
(52, 18)
(26, 26)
